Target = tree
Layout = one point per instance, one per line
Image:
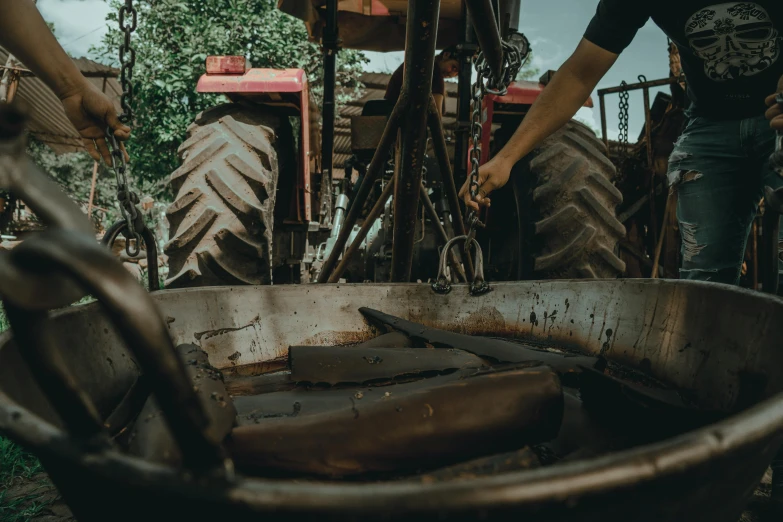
(172, 41)
(528, 71)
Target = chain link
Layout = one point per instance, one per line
(127, 199)
(486, 84)
(623, 116)
(127, 59)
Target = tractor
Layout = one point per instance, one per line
(258, 201)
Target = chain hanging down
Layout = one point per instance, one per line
(127, 199)
(486, 84)
(623, 127)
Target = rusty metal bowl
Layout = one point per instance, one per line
(720, 342)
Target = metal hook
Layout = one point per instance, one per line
(478, 286)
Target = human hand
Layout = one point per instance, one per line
(775, 112)
(492, 176)
(91, 112)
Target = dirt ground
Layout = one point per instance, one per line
(36, 500)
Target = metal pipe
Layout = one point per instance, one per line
(449, 187)
(47, 362)
(373, 172)
(444, 237)
(362, 233)
(139, 325)
(330, 49)
(648, 138)
(421, 32)
(488, 34)
(659, 243)
(639, 85)
(604, 135)
(466, 50)
(341, 205)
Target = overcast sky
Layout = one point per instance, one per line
(554, 27)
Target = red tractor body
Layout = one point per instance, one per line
(274, 87)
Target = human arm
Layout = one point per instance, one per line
(557, 104)
(25, 34)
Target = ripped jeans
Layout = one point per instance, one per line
(719, 170)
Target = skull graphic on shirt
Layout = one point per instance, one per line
(734, 39)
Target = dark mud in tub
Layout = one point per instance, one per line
(418, 403)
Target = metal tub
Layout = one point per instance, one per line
(720, 342)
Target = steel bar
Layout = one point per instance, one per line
(141, 327)
(648, 133)
(330, 50)
(421, 35)
(484, 22)
(659, 243)
(466, 50)
(639, 85)
(377, 164)
(449, 187)
(444, 237)
(648, 138)
(604, 135)
(362, 233)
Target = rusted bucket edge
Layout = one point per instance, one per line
(546, 485)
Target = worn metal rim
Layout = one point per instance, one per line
(555, 484)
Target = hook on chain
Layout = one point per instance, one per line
(126, 198)
(478, 286)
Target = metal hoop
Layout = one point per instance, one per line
(478, 286)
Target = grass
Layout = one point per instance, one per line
(20, 469)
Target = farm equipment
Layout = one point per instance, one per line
(78, 414)
(255, 204)
(145, 417)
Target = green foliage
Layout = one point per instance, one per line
(172, 41)
(73, 172)
(18, 465)
(528, 72)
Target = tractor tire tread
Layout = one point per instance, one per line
(222, 217)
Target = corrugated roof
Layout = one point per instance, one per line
(48, 122)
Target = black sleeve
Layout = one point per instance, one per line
(616, 23)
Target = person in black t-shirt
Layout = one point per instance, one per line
(732, 56)
(446, 66)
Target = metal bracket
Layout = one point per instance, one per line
(478, 286)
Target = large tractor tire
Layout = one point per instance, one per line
(557, 215)
(222, 217)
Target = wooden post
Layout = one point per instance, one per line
(92, 188)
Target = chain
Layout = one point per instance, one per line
(486, 84)
(126, 198)
(624, 105)
(127, 60)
